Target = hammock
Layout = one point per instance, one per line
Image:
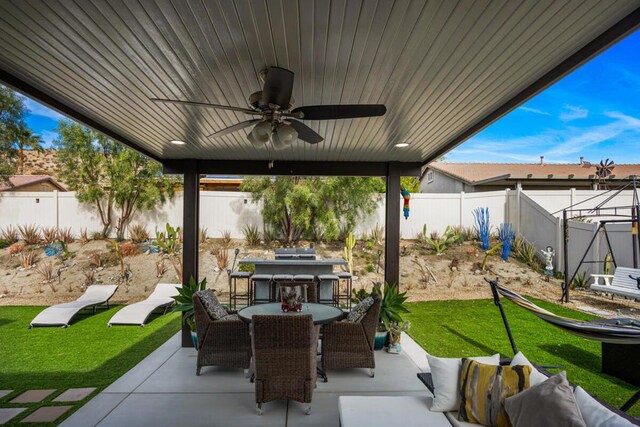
(622, 331)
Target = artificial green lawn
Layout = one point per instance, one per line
(474, 328)
(87, 354)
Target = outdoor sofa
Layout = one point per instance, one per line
(415, 411)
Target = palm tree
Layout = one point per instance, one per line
(27, 139)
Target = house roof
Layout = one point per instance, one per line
(18, 181)
(444, 69)
(481, 173)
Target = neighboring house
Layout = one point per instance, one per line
(442, 177)
(220, 183)
(21, 183)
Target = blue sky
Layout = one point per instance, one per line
(593, 112)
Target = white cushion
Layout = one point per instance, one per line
(408, 411)
(536, 377)
(445, 373)
(596, 415)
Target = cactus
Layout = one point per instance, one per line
(506, 235)
(481, 216)
(350, 243)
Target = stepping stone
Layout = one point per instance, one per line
(3, 393)
(32, 396)
(46, 414)
(74, 394)
(7, 413)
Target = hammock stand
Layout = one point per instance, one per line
(609, 332)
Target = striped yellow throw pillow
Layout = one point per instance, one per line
(483, 389)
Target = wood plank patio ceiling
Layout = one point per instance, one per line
(439, 66)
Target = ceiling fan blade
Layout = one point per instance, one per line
(204, 104)
(333, 112)
(234, 128)
(278, 86)
(305, 133)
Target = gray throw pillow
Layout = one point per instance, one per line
(211, 303)
(550, 403)
(358, 312)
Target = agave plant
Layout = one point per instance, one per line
(184, 301)
(392, 304)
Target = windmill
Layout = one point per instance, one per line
(603, 171)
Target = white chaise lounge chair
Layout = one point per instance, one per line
(137, 314)
(61, 314)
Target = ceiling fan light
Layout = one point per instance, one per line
(283, 136)
(259, 135)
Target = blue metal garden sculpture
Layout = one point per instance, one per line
(506, 236)
(481, 216)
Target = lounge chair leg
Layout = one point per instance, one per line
(259, 408)
(307, 409)
(372, 373)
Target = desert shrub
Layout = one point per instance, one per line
(10, 234)
(97, 235)
(83, 238)
(27, 258)
(138, 233)
(526, 252)
(129, 249)
(89, 276)
(270, 235)
(226, 237)
(177, 266)
(169, 241)
(94, 260)
(45, 270)
(4, 243)
(65, 235)
(377, 234)
(439, 244)
(16, 248)
(161, 268)
(222, 257)
(203, 234)
(30, 234)
(49, 234)
(251, 234)
(579, 281)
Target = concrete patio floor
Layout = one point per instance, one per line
(163, 390)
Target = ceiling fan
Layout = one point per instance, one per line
(277, 121)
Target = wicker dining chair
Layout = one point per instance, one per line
(222, 342)
(350, 344)
(285, 361)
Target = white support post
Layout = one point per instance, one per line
(56, 202)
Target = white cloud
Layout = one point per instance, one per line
(573, 112)
(534, 110)
(557, 145)
(48, 137)
(37, 109)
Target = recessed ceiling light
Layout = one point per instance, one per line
(402, 144)
(178, 142)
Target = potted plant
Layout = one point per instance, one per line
(184, 301)
(395, 332)
(392, 304)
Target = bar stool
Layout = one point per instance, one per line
(335, 282)
(277, 279)
(310, 281)
(348, 278)
(234, 296)
(261, 278)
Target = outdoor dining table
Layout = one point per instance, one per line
(320, 313)
(314, 267)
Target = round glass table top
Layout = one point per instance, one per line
(321, 313)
